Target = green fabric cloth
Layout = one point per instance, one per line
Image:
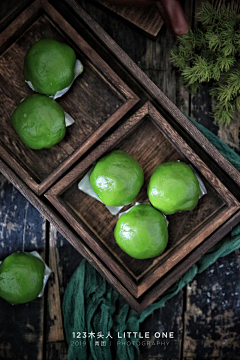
(91, 305)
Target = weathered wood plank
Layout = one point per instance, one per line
(167, 319)
(9, 10)
(54, 303)
(57, 350)
(212, 318)
(151, 55)
(22, 228)
(155, 62)
(147, 19)
(63, 260)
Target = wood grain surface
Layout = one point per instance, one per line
(10, 9)
(96, 101)
(23, 228)
(196, 337)
(147, 18)
(214, 306)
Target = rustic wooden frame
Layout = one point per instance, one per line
(154, 292)
(28, 16)
(142, 285)
(111, 53)
(154, 92)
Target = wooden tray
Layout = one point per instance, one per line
(152, 109)
(97, 99)
(149, 138)
(141, 303)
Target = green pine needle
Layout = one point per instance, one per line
(212, 53)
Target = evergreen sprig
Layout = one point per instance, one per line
(212, 54)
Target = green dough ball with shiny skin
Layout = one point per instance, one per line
(39, 122)
(142, 232)
(50, 66)
(117, 179)
(173, 187)
(21, 278)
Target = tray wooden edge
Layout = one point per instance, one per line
(53, 194)
(23, 18)
(191, 155)
(153, 293)
(148, 280)
(54, 218)
(173, 275)
(116, 136)
(155, 92)
(131, 98)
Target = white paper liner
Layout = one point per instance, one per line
(125, 212)
(77, 71)
(203, 190)
(46, 273)
(68, 119)
(137, 203)
(85, 186)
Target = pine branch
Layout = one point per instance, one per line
(238, 103)
(212, 53)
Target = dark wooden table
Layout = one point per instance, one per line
(204, 316)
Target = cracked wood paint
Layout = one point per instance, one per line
(63, 260)
(212, 317)
(22, 228)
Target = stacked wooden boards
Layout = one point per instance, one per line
(148, 113)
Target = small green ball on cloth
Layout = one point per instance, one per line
(142, 232)
(49, 65)
(117, 178)
(21, 278)
(173, 187)
(39, 121)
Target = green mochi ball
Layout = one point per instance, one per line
(173, 187)
(39, 121)
(50, 66)
(142, 232)
(117, 179)
(21, 278)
